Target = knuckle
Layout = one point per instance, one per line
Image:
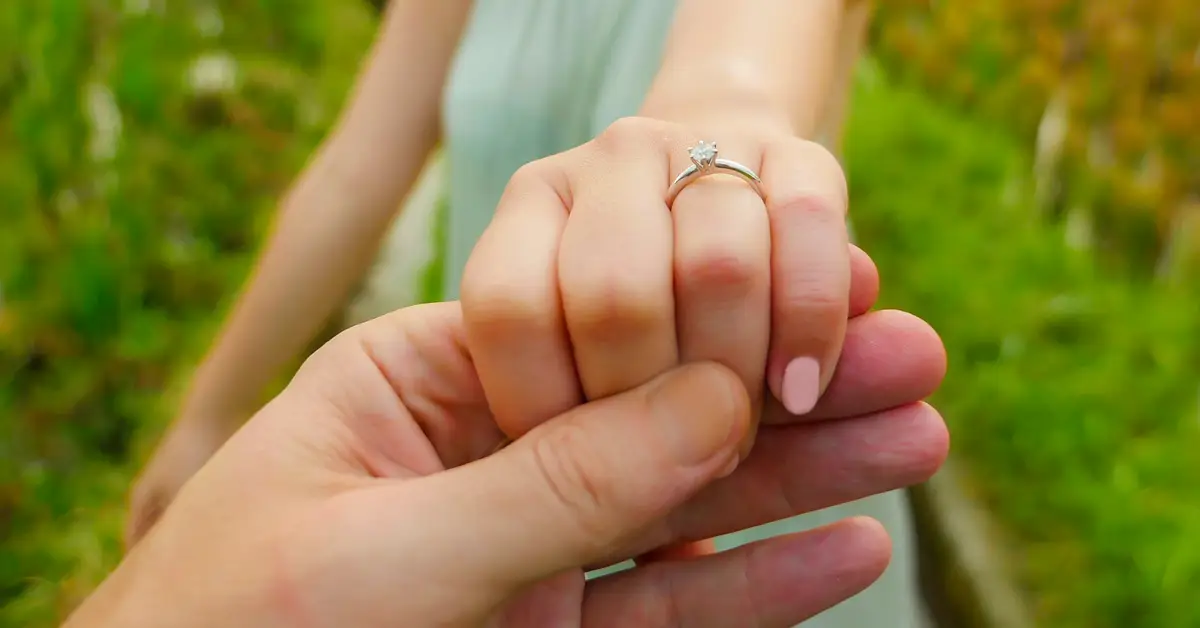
(811, 203)
(530, 173)
(814, 154)
(548, 173)
(631, 133)
(614, 307)
(565, 461)
(825, 169)
(820, 301)
(821, 157)
(722, 268)
(499, 307)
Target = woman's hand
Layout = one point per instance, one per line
(587, 283)
(363, 495)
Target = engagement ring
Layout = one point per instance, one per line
(705, 162)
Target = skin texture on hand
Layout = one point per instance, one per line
(747, 74)
(591, 279)
(363, 495)
(728, 273)
(189, 443)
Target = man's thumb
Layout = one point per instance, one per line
(573, 490)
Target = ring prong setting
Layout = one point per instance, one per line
(703, 154)
(706, 162)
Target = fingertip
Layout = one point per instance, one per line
(869, 546)
(733, 386)
(926, 355)
(703, 409)
(933, 436)
(729, 393)
(926, 335)
(864, 282)
(830, 564)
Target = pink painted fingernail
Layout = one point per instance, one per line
(801, 385)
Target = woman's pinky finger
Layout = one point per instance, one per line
(810, 270)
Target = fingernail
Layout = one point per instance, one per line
(801, 385)
(695, 411)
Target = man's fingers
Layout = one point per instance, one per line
(778, 582)
(810, 270)
(854, 458)
(585, 483)
(405, 387)
(891, 360)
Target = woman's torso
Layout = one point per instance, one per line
(533, 78)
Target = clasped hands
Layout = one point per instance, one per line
(667, 375)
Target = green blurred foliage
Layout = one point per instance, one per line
(143, 146)
(1125, 76)
(1073, 396)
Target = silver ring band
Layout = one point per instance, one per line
(705, 162)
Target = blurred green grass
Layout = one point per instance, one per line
(123, 236)
(1072, 393)
(1073, 396)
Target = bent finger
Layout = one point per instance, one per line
(512, 307)
(615, 262)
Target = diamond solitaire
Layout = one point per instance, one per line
(704, 163)
(703, 154)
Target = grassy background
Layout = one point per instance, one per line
(1072, 394)
(1120, 82)
(120, 245)
(1073, 390)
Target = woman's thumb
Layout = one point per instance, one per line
(574, 490)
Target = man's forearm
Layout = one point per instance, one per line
(755, 66)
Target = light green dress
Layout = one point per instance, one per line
(536, 77)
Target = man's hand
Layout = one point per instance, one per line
(187, 445)
(364, 495)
